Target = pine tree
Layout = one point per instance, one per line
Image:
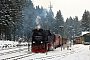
(28, 19)
(50, 18)
(59, 21)
(85, 21)
(10, 12)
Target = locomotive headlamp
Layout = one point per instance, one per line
(33, 41)
(41, 42)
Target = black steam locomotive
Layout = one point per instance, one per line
(43, 40)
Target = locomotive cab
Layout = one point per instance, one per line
(49, 40)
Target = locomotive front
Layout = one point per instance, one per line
(38, 40)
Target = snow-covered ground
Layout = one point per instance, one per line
(10, 44)
(75, 52)
(7, 43)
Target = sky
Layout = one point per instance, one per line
(68, 7)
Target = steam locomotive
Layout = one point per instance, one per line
(44, 40)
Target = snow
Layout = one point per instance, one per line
(10, 43)
(7, 42)
(82, 55)
(85, 32)
(75, 52)
(4, 44)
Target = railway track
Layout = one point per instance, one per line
(19, 56)
(62, 55)
(16, 57)
(13, 51)
(7, 48)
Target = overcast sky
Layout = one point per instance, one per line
(68, 7)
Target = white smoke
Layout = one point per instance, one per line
(38, 20)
